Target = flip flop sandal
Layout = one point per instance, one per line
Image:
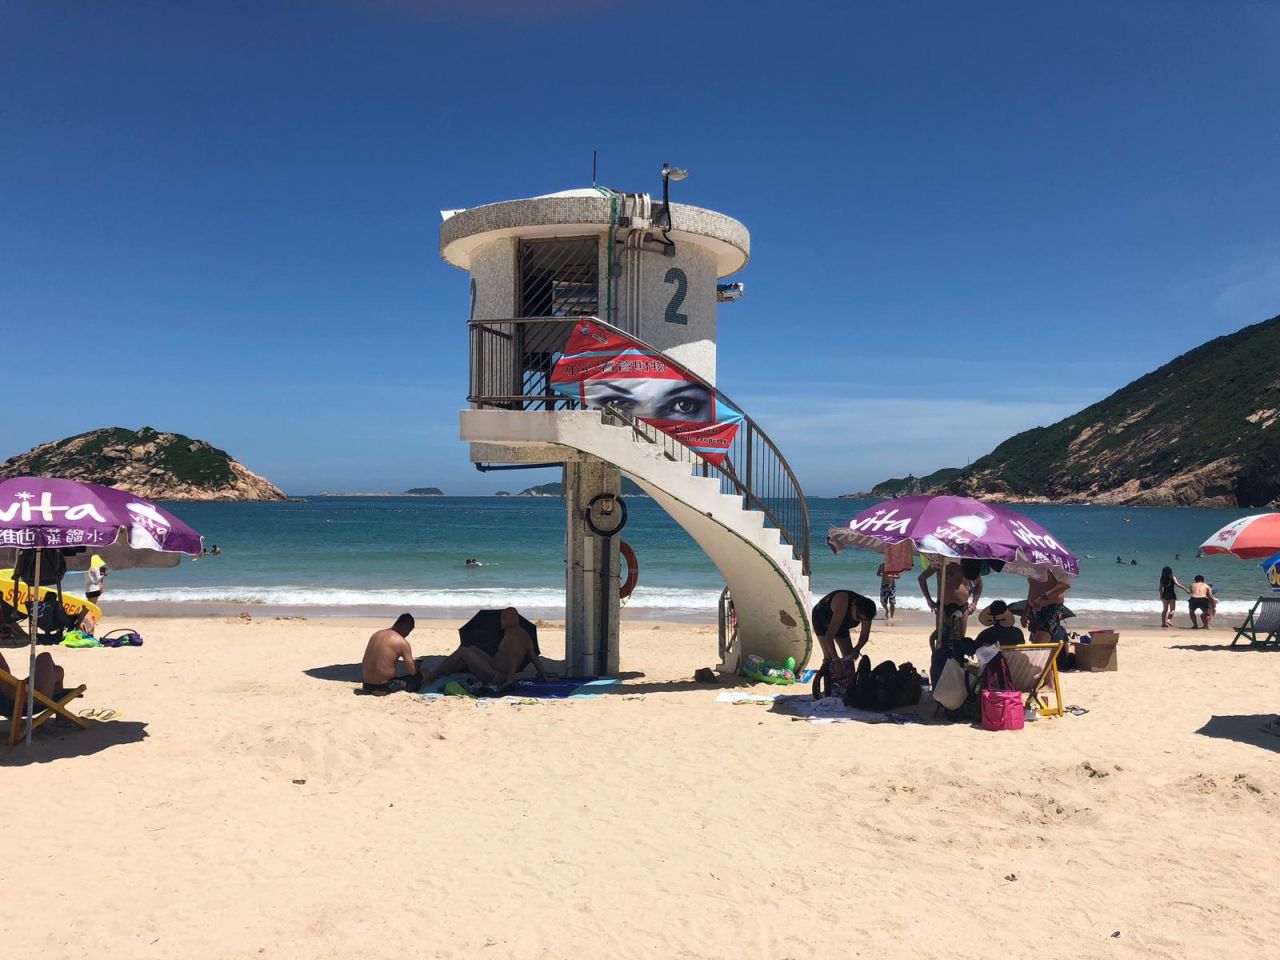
(1075, 711)
(101, 715)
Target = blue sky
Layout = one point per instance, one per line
(221, 218)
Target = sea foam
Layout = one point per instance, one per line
(543, 599)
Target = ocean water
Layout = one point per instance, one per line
(340, 555)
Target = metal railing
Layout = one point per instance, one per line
(511, 364)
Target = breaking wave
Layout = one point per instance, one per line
(533, 598)
(542, 599)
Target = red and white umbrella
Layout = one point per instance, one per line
(1249, 538)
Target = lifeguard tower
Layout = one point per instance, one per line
(648, 270)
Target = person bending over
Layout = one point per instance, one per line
(835, 615)
(499, 670)
(385, 649)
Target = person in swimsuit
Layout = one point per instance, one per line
(959, 599)
(888, 592)
(1044, 601)
(1201, 602)
(515, 649)
(1169, 587)
(835, 616)
(385, 649)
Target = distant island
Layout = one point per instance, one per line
(414, 492)
(1202, 430)
(146, 462)
(907, 486)
(503, 493)
(556, 489)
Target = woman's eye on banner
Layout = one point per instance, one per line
(653, 399)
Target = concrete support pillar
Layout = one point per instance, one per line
(591, 573)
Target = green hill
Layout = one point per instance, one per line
(152, 464)
(1203, 429)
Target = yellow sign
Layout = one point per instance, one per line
(16, 595)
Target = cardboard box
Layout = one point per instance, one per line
(1099, 656)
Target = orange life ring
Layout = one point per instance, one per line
(633, 570)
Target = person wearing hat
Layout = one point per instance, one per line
(93, 579)
(999, 623)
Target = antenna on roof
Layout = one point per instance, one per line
(594, 154)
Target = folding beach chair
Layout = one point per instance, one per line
(1263, 621)
(45, 708)
(1034, 669)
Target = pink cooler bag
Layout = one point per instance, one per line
(1001, 710)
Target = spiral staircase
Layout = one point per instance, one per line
(748, 515)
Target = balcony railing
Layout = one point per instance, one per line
(511, 365)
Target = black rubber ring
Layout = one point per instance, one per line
(621, 523)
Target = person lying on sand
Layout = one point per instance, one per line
(385, 649)
(500, 669)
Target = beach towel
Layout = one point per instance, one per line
(833, 710)
(560, 688)
(899, 557)
(733, 696)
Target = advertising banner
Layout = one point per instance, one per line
(601, 368)
(1271, 569)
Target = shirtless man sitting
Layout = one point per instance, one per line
(500, 669)
(386, 648)
(1044, 603)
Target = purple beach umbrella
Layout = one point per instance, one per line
(959, 528)
(44, 514)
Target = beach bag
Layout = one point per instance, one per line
(863, 694)
(996, 676)
(124, 637)
(910, 686)
(952, 688)
(52, 617)
(884, 683)
(1001, 710)
(833, 679)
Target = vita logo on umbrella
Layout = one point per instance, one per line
(47, 509)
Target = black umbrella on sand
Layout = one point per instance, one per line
(484, 631)
(1019, 609)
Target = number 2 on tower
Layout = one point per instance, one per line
(677, 276)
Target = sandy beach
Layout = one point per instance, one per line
(246, 804)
